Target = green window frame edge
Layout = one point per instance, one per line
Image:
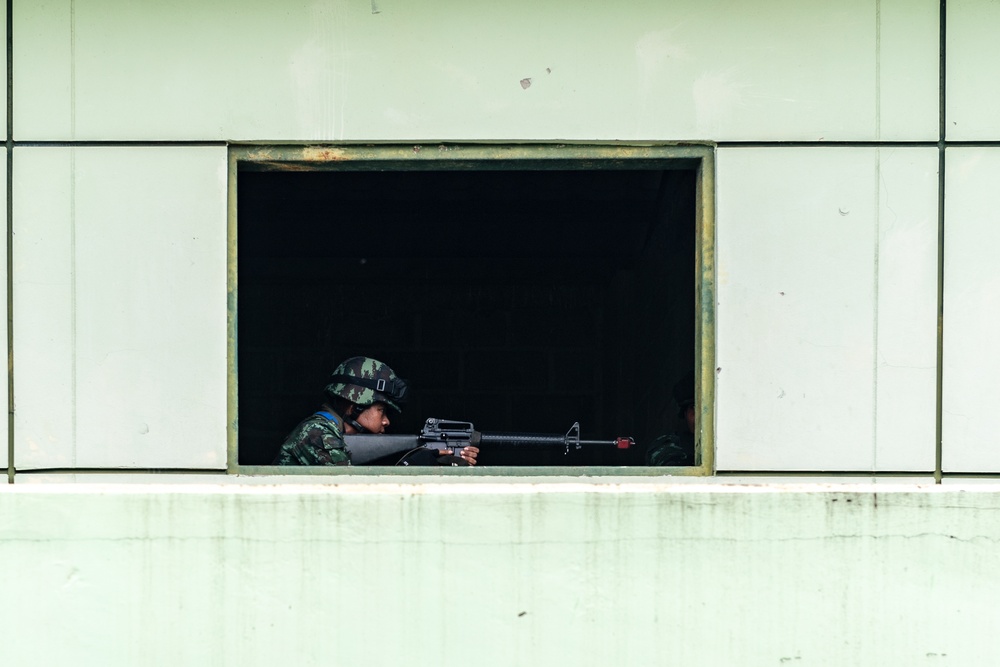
(452, 155)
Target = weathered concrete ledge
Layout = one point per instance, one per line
(545, 573)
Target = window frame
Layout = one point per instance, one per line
(450, 156)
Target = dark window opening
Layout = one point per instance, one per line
(521, 299)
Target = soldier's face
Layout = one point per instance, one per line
(689, 417)
(374, 418)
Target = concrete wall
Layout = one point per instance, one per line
(499, 574)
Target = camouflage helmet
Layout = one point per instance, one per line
(364, 381)
(684, 393)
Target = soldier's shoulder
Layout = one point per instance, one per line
(671, 449)
(318, 425)
(316, 440)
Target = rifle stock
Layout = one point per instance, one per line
(364, 449)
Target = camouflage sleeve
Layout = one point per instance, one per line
(667, 450)
(313, 443)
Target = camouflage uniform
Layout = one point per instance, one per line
(316, 441)
(673, 449)
(677, 448)
(319, 439)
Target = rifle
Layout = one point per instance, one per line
(447, 434)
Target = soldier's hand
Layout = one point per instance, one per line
(469, 454)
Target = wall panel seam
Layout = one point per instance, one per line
(942, 145)
(10, 241)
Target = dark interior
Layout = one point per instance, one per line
(520, 299)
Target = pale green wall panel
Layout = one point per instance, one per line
(48, 75)
(973, 67)
(575, 574)
(971, 357)
(826, 314)
(907, 100)
(120, 303)
(389, 70)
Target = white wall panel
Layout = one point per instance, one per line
(826, 333)
(218, 478)
(973, 67)
(389, 70)
(4, 393)
(972, 481)
(120, 303)
(971, 392)
(3, 60)
(906, 317)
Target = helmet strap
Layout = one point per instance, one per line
(394, 389)
(350, 418)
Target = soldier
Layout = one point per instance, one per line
(360, 394)
(677, 448)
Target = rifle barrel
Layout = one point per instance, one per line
(542, 439)
(522, 439)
